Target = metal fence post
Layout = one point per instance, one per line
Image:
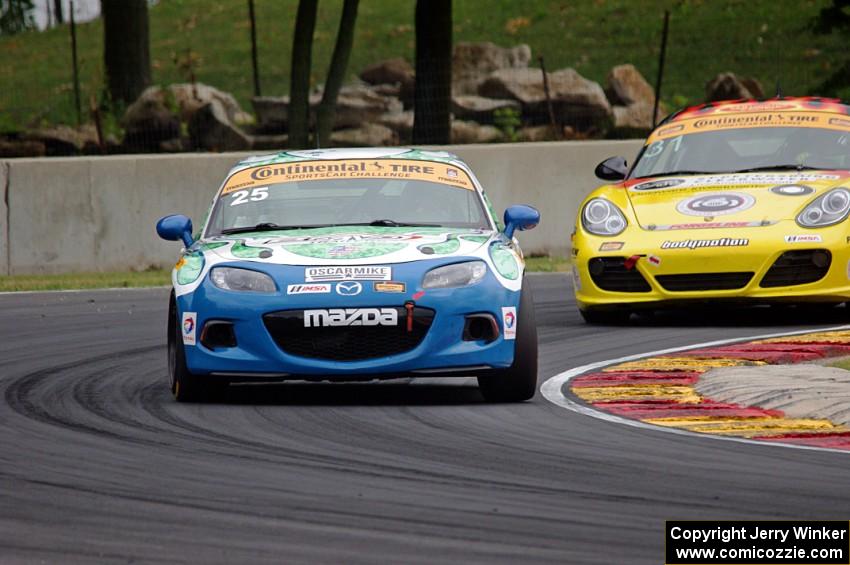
(254, 60)
(75, 67)
(660, 66)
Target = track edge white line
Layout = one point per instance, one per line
(552, 389)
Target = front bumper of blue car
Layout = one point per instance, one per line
(272, 342)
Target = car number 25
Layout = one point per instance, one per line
(243, 196)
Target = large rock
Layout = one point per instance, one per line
(538, 133)
(401, 123)
(472, 63)
(355, 105)
(358, 104)
(150, 120)
(191, 97)
(64, 140)
(11, 148)
(273, 112)
(727, 86)
(576, 101)
(635, 118)
(471, 132)
(269, 142)
(754, 86)
(480, 109)
(368, 135)
(391, 71)
(626, 86)
(211, 129)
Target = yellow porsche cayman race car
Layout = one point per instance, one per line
(739, 200)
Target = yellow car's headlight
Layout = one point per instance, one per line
(601, 217)
(827, 209)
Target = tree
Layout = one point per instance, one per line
(57, 10)
(299, 84)
(126, 49)
(15, 16)
(336, 72)
(433, 91)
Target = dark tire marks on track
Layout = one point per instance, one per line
(97, 464)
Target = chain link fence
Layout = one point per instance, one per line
(532, 71)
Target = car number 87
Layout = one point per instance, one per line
(243, 196)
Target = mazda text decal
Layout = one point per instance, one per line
(700, 243)
(354, 273)
(350, 317)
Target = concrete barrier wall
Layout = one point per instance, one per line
(98, 214)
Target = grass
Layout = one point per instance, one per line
(78, 281)
(547, 264)
(772, 40)
(81, 281)
(842, 363)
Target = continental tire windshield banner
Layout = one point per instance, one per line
(720, 121)
(302, 171)
(757, 542)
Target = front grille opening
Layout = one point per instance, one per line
(218, 334)
(704, 281)
(348, 343)
(610, 273)
(798, 267)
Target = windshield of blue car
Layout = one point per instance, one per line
(326, 203)
(745, 150)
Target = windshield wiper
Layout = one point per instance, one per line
(786, 167)
(393, 223)
(269, 226)
(390, 224)
(675, 173)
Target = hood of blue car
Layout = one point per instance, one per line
(351, 245)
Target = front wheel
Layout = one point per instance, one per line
(186, 386)
(519, 381)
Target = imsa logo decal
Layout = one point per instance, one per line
(350, 317)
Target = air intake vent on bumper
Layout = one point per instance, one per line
(704, 281)
(610, 273)
(798, 267)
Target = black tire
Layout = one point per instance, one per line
(605, 317)
(518, 382)
(186, 386)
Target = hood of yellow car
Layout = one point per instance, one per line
(726, 200)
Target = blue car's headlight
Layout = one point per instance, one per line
(458, 274)
(825, 210)
(231, 278)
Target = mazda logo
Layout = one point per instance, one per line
(348, 288)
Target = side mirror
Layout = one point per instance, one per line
(175, 227)
(612, 168)
(520, 217)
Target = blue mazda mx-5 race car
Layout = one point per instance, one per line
(351, 264)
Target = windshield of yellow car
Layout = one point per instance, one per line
(353, 192)
(744, 150)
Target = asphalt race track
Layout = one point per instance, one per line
(98, 464)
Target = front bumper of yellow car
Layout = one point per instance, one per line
(769, 268)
